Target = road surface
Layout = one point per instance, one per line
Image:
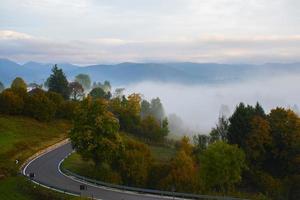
(46, 171)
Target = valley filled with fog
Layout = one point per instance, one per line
(200, 105)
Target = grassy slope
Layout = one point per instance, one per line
(20, 138)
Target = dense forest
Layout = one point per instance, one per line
(251, 152)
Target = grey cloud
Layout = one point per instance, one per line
(23, 47)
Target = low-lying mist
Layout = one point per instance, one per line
(199, 105)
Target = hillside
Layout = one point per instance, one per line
(21, 137)
(128, 73)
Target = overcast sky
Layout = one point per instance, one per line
(112, 31)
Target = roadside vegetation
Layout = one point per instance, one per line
(125, 140)
(20, 138)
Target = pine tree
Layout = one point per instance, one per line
(57, 82)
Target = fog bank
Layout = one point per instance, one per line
(199, 105)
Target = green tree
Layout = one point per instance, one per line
(119, 92)
(106, 86)
(221, 166)
(145, 109)
(95, 132)
(201, 143)
(165, 127)
(35, 85)
(84, 80)
(1, 87)
(157, 109)
(97, 93)
(221, 130)
(18, 83)
(57, 82)
(76, 91)
(240, 123)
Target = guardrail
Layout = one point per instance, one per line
(146, 191)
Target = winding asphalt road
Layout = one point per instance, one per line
(46, 170)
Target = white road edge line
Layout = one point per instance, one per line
(40, 184)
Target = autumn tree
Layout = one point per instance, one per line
(19, 87)
(57, 82)
(67, 109)
(185, 145)
(258, 142)
(56, 98)
(221, 165)
(76, 91)
(285, 129)
(84, 80)
(10, 103)
(95, 132)
(182, 174)
(150, 129)
(18, 83)
(39, 106)
(127, 111)
(135, 163)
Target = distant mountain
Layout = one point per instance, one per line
(126, 73)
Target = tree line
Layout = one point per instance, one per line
(251, 152)
(270, 143)
(59, 98)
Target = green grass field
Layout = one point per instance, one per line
(21, 137)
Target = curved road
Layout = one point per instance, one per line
(46, 170)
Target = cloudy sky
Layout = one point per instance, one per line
(112, 31)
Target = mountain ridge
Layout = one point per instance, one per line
(131, 72)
